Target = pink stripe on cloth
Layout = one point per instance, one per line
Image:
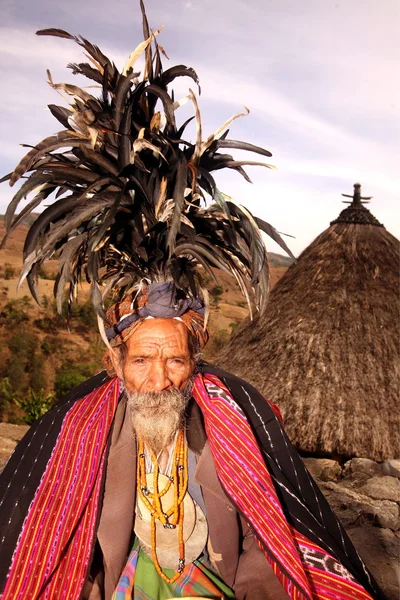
(246, 479)
(54, 548)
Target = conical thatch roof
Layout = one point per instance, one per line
(327, 349)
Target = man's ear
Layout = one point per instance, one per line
(115, 356)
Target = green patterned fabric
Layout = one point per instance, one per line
(140, 581)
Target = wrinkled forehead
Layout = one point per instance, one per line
(169, 334)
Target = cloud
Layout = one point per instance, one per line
(319, 78)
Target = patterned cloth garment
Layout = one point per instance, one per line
(140, 581)
(51, 494)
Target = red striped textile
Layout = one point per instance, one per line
(247, 482)
(52, 555)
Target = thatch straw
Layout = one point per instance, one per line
(327, 350)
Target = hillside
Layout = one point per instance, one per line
(40, 350)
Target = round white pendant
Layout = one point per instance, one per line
(195, 529)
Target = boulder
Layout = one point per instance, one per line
(354, 480)
(382, 488)
(391, 467)
(355, 508)
(379, 548)
(362, 465)
(323, 469)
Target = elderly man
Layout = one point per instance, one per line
(156, 367)
(170, 479)
(164, 478)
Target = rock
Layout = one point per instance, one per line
(379, 549)
(9, 437)
(377, 545)
(362, 465)
(382, 488)
(355, 480)
(391, 467)
(11, 432)
(323, 469)
(354, 508)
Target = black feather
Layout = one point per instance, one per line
(129, 193)
(272, 232)
(179, 71)
(223, 143)
(61, 114)
(56, 33)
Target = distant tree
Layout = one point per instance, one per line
(26, 302)
(216, 293)
(66, 381)
(86, 314)
(6, 395)
(13, 313)
(45, 301)
(51, 344)
(23, 343)
(45, 274)
(9, 271)
(217, 290)
(37, 376)
(72, 374)
(241, 303)
(16, 373)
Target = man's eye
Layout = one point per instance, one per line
(177, 361)
(138, 361)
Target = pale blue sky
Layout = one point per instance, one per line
(321, 79)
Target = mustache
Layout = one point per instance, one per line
(171, 399)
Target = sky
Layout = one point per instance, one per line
(320, 77)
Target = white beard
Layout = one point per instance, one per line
(157, 416)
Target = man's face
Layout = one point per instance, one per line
(157, 357)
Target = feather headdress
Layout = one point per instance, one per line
(134, 199)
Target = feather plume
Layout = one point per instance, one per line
(132, 199)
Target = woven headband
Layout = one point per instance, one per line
(159, 301)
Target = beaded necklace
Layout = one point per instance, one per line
(170, 517)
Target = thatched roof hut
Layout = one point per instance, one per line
(327, 351)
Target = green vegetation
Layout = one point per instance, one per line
(37, 376)
(6, 394)
(50, 345)
(217, 290)
(86, 315)
(70, 375)
(216, 293)
(35, 404)
(15, 312)
(8, 271)
(23, 343)
(241, 303)
(44, 274)
(37, 360)
(217, 341)
(233, 326)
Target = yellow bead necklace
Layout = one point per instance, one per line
(171, 517)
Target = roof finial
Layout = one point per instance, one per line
(357, 198)
(356, 213)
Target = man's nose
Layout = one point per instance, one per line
(159, 379)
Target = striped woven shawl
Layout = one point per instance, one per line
(51, 494)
